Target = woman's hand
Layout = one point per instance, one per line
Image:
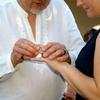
(53, 64)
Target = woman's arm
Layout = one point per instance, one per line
(86, 86)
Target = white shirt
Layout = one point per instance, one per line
(34, 80)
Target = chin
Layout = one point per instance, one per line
(35, 12)
(92, 14)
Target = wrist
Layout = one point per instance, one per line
(63, 69)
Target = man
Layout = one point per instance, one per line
(25, 27)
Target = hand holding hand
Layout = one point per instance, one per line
(70, 94)
(56, 51)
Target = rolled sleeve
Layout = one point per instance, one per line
(6, 67)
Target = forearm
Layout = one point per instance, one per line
(83, 84)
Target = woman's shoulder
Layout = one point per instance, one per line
(98, 40)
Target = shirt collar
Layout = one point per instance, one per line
(21, 9)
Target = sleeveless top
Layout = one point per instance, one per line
(85, 59)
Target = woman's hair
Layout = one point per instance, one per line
(88, 35)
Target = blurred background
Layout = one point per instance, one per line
(84, 23)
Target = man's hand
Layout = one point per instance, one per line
(70, 94)
(56, 51)
(24, 50)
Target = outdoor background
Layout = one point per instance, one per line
(84, 23)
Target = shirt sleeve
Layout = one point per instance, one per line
(6, 67)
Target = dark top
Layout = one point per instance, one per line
(85, 59)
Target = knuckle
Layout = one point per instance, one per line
(22, 40)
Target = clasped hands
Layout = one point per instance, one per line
(54, 54)
(27, 50)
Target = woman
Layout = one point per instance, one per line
(85, 79)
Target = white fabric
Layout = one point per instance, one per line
(34, 80)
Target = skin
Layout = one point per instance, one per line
(23, 50)
(33, 6)
(86, 86)
(91, 7)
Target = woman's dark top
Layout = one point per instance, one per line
(85, 59)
